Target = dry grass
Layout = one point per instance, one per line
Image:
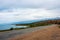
(51, 33)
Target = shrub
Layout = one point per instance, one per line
(11, 28)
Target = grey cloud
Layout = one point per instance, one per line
(48, 4)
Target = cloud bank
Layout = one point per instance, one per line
(22, 10)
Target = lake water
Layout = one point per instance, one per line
(4, 27)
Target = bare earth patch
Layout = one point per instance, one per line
(50, 33)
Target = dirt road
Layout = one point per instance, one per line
(13, 33)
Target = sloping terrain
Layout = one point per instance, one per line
(50, 33)
(13, 33)
(42, 23)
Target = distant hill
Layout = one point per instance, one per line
(42, 23)
(26, 22)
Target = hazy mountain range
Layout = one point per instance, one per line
(31, 21)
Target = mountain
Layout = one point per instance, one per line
(26, 22)
(42, 22)
(32, 21)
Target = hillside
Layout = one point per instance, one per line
(42, 23)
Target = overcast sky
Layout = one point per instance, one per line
(22, 10)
